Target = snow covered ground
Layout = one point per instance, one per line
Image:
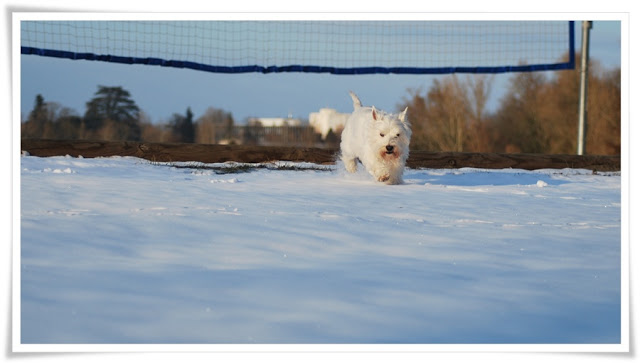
(121, 250)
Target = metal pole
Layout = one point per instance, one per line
(584, 77)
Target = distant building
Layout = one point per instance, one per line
(328, 119)
(274, 121)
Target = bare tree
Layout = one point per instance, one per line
(213, 126)
(519, 120)
(451, 115)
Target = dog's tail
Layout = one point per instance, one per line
(356, 101)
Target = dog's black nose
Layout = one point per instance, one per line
(389, 148)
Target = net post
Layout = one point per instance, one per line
(584, 77)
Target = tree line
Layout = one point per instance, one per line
(538, 114)
(114, 116)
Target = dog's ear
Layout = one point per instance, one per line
(403, 114)
(374, 113)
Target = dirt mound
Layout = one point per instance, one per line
(167, 152)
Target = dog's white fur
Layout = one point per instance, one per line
(378, 139)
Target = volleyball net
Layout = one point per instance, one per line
(336, 47)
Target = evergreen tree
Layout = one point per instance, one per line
(182, 128)
(38, 124)
(39, 111)
(113, 111)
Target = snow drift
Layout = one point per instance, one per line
(121, 250)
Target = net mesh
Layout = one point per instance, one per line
(315, 46)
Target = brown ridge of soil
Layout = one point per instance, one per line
(174, 152)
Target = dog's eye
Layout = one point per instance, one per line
(397, 135)
(381, 135)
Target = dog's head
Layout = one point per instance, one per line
(391, 133)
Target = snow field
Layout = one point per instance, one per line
(121, 250)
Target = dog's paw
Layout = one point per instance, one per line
(350, 165)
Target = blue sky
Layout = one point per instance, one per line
(160, 92)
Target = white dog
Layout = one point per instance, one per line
(378, 139)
